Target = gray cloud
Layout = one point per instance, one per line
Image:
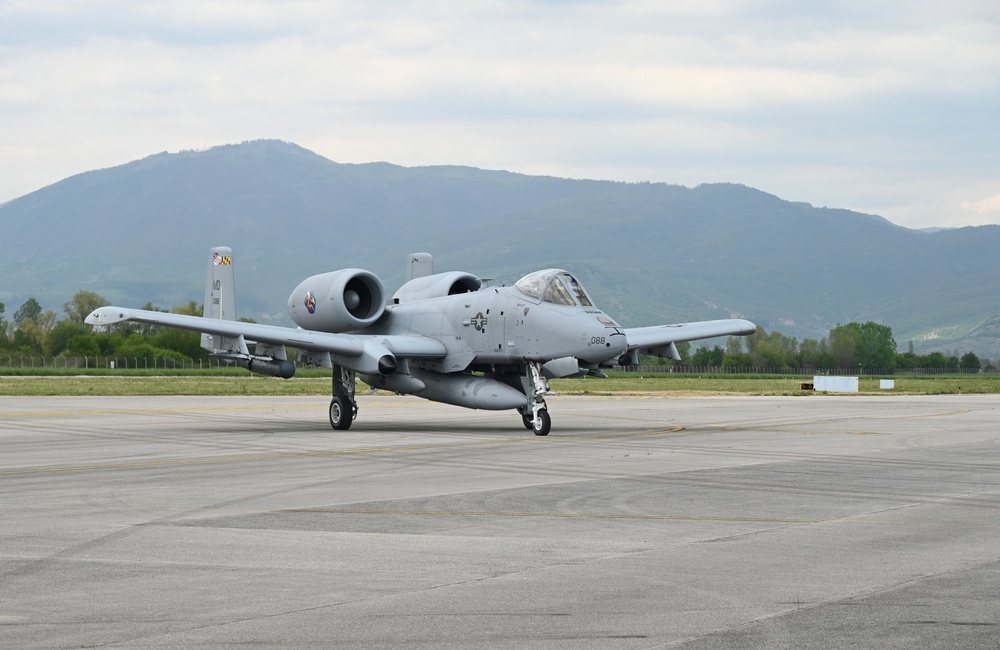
(883, 107)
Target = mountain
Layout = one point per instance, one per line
(649, 252)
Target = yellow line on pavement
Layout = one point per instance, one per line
(859, 519)
(933, 415)
(176, 409)
(250, 458)
(543, 515)
(317, 454)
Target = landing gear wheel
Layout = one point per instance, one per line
(545, 423)
(526, 419)
(341, 415)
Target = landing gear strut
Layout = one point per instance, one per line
(535, 415)
(343, 408)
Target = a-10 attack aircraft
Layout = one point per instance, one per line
(442, 337)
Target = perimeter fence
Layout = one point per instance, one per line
(835, 372)
(112, 363)
(142, 363)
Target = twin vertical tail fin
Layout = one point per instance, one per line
(220, 292)
(220, 303)
(419, 265)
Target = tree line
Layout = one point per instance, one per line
(33, 332)
(849, 347)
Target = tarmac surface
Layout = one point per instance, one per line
(723, 522)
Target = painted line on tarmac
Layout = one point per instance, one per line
(933, 415)
(199, 409)
(852, 520)
(632, 434)
(321, 454)
(544, 515)
(249, 458)
(762, 426)
(143, 411)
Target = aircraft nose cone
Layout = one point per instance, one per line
(605, 343)
(619, 343)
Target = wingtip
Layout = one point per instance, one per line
(105, 316)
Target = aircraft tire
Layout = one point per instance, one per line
(526, 420)
(341, 414)
(546, 423)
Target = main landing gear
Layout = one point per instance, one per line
(343, 407)
(535, 415)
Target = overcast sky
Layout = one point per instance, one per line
(883, 106)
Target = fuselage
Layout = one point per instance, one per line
(502, 325)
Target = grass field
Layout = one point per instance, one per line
(240, 382)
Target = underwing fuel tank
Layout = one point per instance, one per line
(269, 367)
(397, 383)
(470, 391)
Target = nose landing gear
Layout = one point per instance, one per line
(535, 415)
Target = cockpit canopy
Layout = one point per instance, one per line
(555, 286)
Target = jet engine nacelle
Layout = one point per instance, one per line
(438, 285)
(339, 301)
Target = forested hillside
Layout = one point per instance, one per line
(649, 252)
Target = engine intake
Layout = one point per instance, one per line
(339, 301)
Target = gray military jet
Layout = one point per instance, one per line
(442, 336)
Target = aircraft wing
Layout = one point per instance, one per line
(343, 345)
(659, 338)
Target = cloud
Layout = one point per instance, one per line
(869, 106)
(989, 206)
